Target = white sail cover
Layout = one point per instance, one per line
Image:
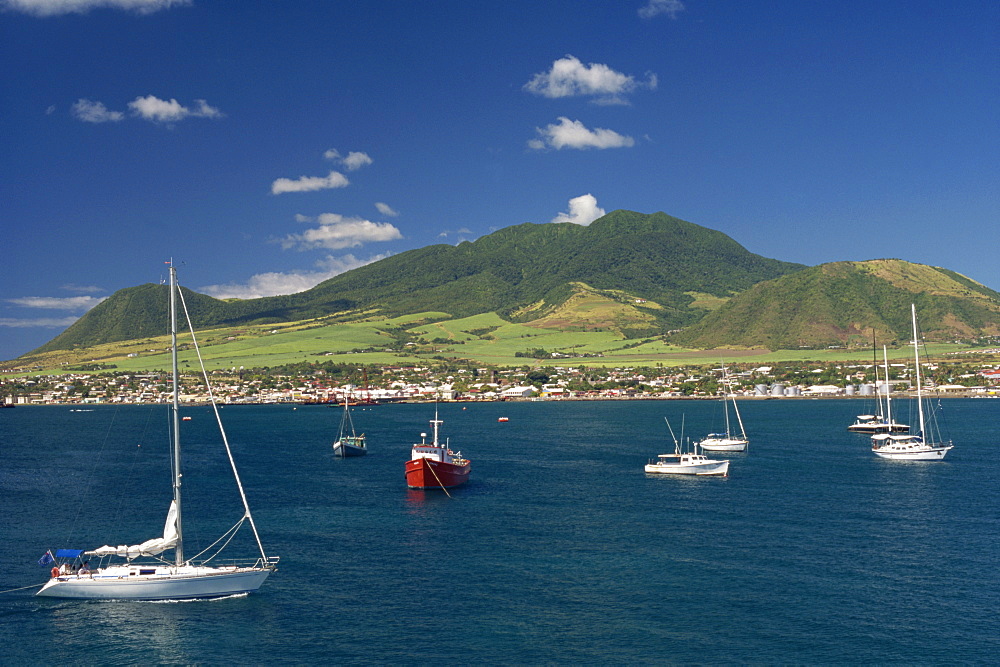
(149, 547)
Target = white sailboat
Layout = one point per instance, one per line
(879, 423)
(157, 578)
(923, 445)
(728, 441)
(349, 443)
(686, 463)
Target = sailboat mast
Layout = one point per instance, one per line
(878, 397)
(736, 408)
(916, 361)
(175, 412)
(888, 389)
(725, 398)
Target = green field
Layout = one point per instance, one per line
(422, 339)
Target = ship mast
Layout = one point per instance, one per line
(175, 411)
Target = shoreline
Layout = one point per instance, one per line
(995, 394)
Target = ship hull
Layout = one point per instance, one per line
(723, 445)
(346, 447)
(181, 586)
(914, 454)
(712, 468)
(430, 474)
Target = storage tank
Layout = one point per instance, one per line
(777, 389)
(760, 390)
(850, 390)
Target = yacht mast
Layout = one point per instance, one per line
(175, 412)
(888, 390)
(916, 360)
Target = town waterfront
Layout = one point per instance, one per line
(559, 550)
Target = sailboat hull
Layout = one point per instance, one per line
(912, 453)
(346, 447)
(174, 584)
(723, 445)
(878, 427)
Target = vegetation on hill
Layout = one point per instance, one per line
(630, 285)
(842, 303)
(523, 273)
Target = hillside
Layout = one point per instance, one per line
(523, 273)
(842, 302)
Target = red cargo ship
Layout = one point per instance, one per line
(434, 466)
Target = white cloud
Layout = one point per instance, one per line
(463, 232)
(569, 77)
(49, 322)
(573, 134)
(336, 232)
(275, 283)
(310, 183)
(154, 109)
(583, 210)
(656, 7)
(354, 160)
(386, 210)
(95, 112)
(58, 303)
(56, 7)
(149, 108)
(81, 289)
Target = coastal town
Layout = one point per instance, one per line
(332, 383)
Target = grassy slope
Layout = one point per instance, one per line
(523, 273)
(841, 302)
(495, 343)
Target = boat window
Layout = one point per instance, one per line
(147, 571)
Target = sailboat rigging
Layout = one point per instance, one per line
(728, 441)
(349, 443)
(162, 579)
(925, 445)
(879, 422)
(686, 463)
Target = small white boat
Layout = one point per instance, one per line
(349, 443)
(924, 445)
(877, 424)
(728, 441)
(686, 463)
(907, 448)
(880, 423)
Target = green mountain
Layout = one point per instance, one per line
(841, 303)
(523, 273)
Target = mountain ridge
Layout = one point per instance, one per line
(653, 256)
(639, 275)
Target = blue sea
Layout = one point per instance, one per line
(560, 550)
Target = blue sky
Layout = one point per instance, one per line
(270, 145)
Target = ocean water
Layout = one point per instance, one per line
(559, 550)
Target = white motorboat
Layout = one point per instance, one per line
(686, 463)
(144, 574)
(925, 445)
